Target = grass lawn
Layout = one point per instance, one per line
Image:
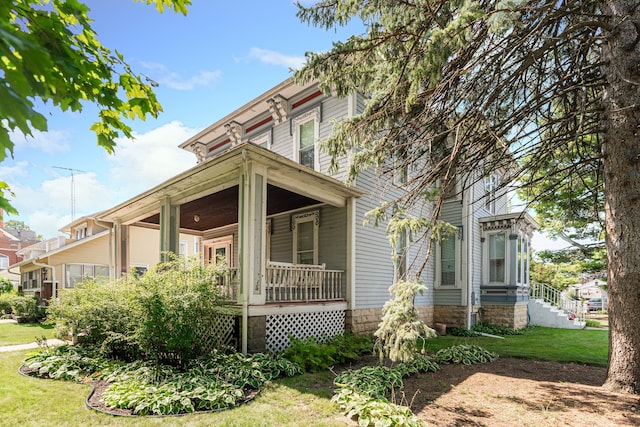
(301, 400)
(27, 401)
(23, 333)
(558, 345)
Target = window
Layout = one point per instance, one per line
(219, 250)
(31, 280)
(183, 248)
(305, 238)
(4, 262)
(523, 260)
(491, 183)
(448, 262)
(75, 273)
(497, 250)
(262, 140)
(306, 132)
(81, 233)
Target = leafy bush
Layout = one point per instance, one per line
(174, 306)
(314, 356)
(5, 303)
(6, 286)
(25, 309)
(164, 315)
(94, 309)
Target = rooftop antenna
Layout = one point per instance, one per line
(73, 189)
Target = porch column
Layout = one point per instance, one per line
(121, 249)
(252, 212)
(169, 228)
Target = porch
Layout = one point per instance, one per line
(291, 283)
(285, 230)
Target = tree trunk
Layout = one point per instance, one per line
(621, 151)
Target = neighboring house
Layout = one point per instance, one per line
(91, 251)
(11, 242)
(591, 289)
(302, 261)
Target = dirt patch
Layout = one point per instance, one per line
(518, 392)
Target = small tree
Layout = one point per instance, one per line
(401, 327)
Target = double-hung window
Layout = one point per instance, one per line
(497, 257)
(448, 261)
(305, 238)
(306, 132)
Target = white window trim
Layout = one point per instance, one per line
(219, 242)
(458, 264)
(67, 276)
(183, 248)
(491, 192)
(313, 216)
(262, 138)
(485, 259)
(314, 115)
(4, 262)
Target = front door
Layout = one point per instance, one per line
(219, 250)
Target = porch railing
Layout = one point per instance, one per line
(301, 282)
(228, 285)
(287, 282)
(557, 299)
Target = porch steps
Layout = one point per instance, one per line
(544, 314)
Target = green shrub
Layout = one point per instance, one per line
(6, 286)
(314, 355)
(175, 306)
(94, 309)
(25, 309)
(5, 303)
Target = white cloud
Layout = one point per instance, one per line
(276, 58)
(149, 159)
(138, 165)
(8, 173)
(165, 77)
(52, 141)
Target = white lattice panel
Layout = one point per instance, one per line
(302, 325)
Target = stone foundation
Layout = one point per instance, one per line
(454, 316)
(366, 321)
(511, 316)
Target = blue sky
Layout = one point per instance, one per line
(214, 60)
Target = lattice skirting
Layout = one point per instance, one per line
(217, 332)
(302, 325)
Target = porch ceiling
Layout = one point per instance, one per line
(221, 208)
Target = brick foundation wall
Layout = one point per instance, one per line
(511, 316)
(366, 321)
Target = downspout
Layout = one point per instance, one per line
(469, 243)
(112, 267)
(245, 291)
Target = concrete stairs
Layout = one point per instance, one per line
(542, 313)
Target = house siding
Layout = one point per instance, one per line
(374, 268)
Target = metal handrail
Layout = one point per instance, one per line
(557, 299)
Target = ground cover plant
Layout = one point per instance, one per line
(501, 393)
(217, 381)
